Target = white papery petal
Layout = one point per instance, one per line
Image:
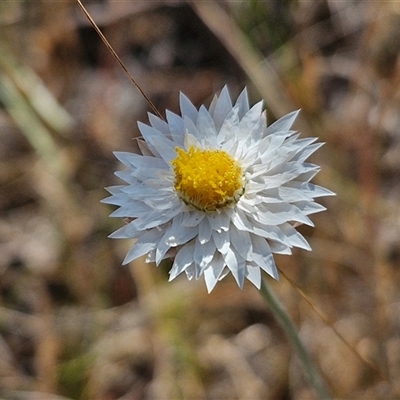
(146, 162)
(183, 259)
(241, 241)
(222, 108)
(159, 124)
(148, 133)
(205, 231)
(221, 240)
(206, 127)
(127, 176)
(123, 156)
(193, 218)
(279, 248)
(229, 128)
(278, 213)
(131, 210)
(164, 147)
(149, 174)
(283, 124)
(304, 154)
(213, 273)
(262, 256)
(155, 218)
(203, 253)
(236, 265)
(257, 131)
(240, 220)
(138, 161)
(295, 191)
(254, 117)
(270, 144)
(295, 238)
(239, 238)
(308, 207)
(192, 271)
(318, 191)
(115, 199)
(187, 108)
(219, 221)
(124, 233)
(242, 103)
(253, 274)
(144, 148)
(270, 232)
(176, 236)
(191, 131)
(146, 243)
(176, 127)
(190, 140)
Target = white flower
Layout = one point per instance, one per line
(217, 190)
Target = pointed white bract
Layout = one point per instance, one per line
(240, 237)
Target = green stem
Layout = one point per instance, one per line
(286, 323)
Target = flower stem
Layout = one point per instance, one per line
(286, 323)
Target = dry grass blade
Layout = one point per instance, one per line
(37, 134)
(115, 55)
(326, 320)
(260, 71)
(39, 97)
(51, 174)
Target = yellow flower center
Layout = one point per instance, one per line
(207, 179)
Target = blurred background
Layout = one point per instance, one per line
(74, 323)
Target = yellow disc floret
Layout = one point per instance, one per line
(207, 179)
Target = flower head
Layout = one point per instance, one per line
(217, 190)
